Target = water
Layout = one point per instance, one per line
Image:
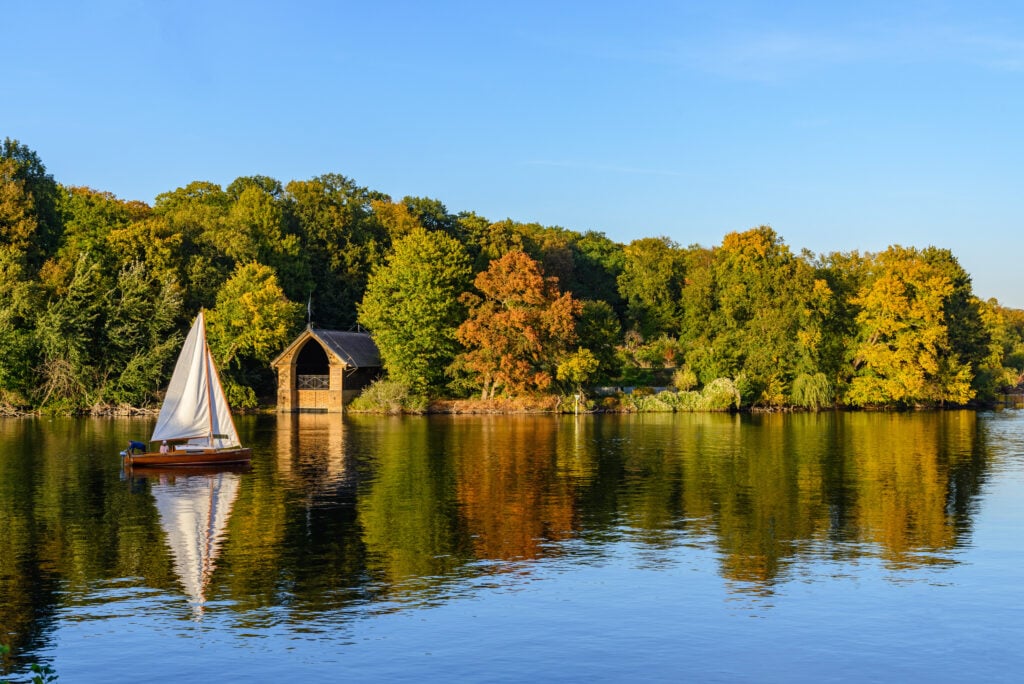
(867, 546)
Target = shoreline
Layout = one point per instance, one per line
(552, 404)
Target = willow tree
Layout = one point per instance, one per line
(519, 327)
(412, 307)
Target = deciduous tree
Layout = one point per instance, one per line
(341, 241)
(651, 283)
(519, 327)
(251, 323)
(29, 219)
(905, 354)
(412, 307)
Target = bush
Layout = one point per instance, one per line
(773, 393)
(388, 396)
(567, 404)
(689, 401)
(646, 402)
(749, 390)
(720, 394)
(717, 395)
(684, 379)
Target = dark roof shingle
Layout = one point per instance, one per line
(354, 348)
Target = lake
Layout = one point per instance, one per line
(711, 547)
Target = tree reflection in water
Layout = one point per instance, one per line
(372, 513)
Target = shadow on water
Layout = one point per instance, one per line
(341, 517)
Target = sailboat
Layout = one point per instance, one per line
(195, 420)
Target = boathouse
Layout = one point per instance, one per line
(322, 370)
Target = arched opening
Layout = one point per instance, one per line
(312, 369)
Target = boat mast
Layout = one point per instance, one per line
(207, 366)
(211, 377)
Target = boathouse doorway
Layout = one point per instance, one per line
(322, 370)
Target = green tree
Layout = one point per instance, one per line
(433, 215)
(470, 229)
(206, 243)
(764, 321)
(89, 218)
(252, 322)
(599, 331)
(845, 273)
(67, 332)
(29, 219)
(412, 307)
(258, 217)
(139, 325)
(341, 241)
(491, 241)
(1008, 332)
(19, 302)
(518, 329)
(651, 283)
(963, 313)
(598, 263)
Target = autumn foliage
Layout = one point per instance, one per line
(95, 293)
(518, 326)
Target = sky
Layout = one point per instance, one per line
(844, 126)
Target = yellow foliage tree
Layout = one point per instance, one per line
(905, 354)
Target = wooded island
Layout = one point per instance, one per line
(97, 292)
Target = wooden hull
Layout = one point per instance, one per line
(189, 458)
(169, 473)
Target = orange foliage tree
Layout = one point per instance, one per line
(519, 329)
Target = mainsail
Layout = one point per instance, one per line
(195, 408)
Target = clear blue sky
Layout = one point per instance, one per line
(842, 125)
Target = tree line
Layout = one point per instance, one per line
(96, 293)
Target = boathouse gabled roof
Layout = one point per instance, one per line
(354, 349)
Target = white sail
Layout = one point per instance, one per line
(195, 408)
(194, 514)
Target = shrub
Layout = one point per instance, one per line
(689, 401)
(748, 389)
(567, 403)
(645, 403)
(773, 393)
(720, 394)
(388, 396)
(684, 379)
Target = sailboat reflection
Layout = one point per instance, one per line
(194, 511)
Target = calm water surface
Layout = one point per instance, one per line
(877, 547)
